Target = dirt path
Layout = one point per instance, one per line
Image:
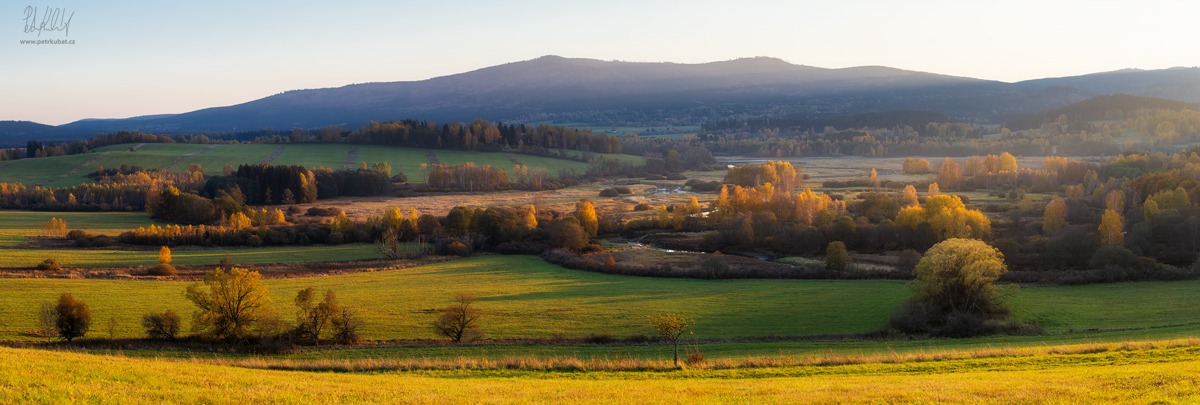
(273, 156)
(8, 164)
(351, 157)
(432, 158)
(73, 171)
(180, 159)
(135, 147)
(514, 160)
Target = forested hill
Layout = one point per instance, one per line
(1111, 106)
(556, 84)
(18, 132)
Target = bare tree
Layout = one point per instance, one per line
(161, 326)
(46, 314)
(389, 244)
(671, 327)
(345, 325)
(459, 321)
(314, 317)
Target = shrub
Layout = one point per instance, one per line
(345, 327)
(323, 212)
(458, 249)
(1113, 255)
(72, 318)
(101, 241)
(608, 192)
(599, 339)
(253, 241)
(83, 242)
(908, 261)
(623, 190)
(162, 269)
(692, 182)
(161, 326)
(655, 177)
(49, 265)
(709, 186)
(676, 176)
(77, 234)
(642, 207)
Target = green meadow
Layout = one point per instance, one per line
(525, 297)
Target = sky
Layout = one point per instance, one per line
(133, 58)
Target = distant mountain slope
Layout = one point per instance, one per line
(19, 132)
(1094, 108)
(1181, 84)
(554, 83)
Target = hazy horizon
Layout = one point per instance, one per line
(142, 58)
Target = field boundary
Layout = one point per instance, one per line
(73, 171)
(351, 157)
(268, 159)
(180, 159)
(135, 147)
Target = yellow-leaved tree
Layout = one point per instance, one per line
(1055, 216)
(955, 293)
(909, 197)
(164, 255)
(948, 217)
(232, 303)
(585, 212)
(1112, 227)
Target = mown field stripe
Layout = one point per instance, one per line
(179, 159)
(75, 170)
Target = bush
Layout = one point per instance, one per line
(655, 177)
(692, 182)
(101, 241)
(1113, 256)
(908, 261)
(599, 339)
(83, 242)
(642, 207)
(676, 176)
(72, 318)
(458, 249)
(162, 269)
(253, 241)
(49, 265)
(161, 326)
(707, 186)
(623, 190)
(77, 234)
(608, 192)
(323, 212)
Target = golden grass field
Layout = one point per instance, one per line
(1149, 374)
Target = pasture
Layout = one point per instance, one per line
(1117, 375)
(334, 156)
(524, 297)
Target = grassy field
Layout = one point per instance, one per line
(1150, 375)
(33, 171)
(104, 257)
(525, 297)
(17, 226)
(334, 156)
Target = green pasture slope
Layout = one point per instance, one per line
(523, 296)
(334, 156)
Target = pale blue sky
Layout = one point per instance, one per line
(153, 57)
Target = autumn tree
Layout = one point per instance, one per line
(714, 267)
(1115, 201)
(908, 197)
(916, 166)
(671, 327)
(1055, 216)
(934, 190)
(1111, 230)
(164, 255)
(459, 321)
(72, 318)
(955, 280)
(585, 212)
(874, 179)
(232, 303)
(949, 174)
(836, 257)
